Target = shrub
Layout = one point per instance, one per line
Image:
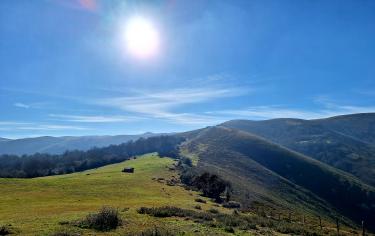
(65, 234)
(232, 204)
(4, 230)
(156, 232)
(229, 229)
(230, 220)
(213, 211)
(169, 211)
(200, 200)
(106, 219)
(198, 207)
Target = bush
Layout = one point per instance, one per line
(106, 219)
(156, 232)
(5, 230)
(65, 234)
(198, 207)
(200, 200)
(169, 211)
(213, 211)
(229, 230)
(230, 220)
(232, 204)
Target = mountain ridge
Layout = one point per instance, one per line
(341, 145)
(320, 186)
(58, 145)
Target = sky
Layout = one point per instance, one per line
(66, 69)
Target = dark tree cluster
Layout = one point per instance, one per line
(211, 185)
(29, 166)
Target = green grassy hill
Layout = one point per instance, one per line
(344, 142)
(38, 206)
(271, 173)
(54, 205)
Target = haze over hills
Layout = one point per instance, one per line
(263, 170)
(58, 145)
(344, 142)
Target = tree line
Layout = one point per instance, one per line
(42, 164)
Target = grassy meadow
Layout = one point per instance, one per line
(40, 206)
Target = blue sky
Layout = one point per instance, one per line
(63, 70)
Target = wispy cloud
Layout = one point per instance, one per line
(13, 123)
(94, 119)
(34, 105)
(49, 127)
(21, 105)
(18, 125)
(271, 112)
(161, 104)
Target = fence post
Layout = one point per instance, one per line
(337, 226)
(320, 223)
(290, 217)
(363, 228)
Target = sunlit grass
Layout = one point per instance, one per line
(37, 206)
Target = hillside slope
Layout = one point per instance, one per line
(58, 145)
(38, 206)
(344, 142)
(266, 170)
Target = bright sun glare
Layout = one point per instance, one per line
(141, 37)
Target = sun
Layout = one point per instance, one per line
(141, 37)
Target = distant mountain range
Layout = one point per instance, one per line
(58, 145)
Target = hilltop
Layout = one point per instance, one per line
(344, 142)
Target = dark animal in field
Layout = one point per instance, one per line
(128, 170)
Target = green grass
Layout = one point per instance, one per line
(38, 206)
(46, 205)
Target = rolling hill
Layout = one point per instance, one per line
(344, 142)
(261, 170)
(40, 206)
(58, 145)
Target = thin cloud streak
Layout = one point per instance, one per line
(52, 127)
(15, 125)
(12, 123)
(273, 112)
(94, 119)
(160, 105)
(21, 105)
